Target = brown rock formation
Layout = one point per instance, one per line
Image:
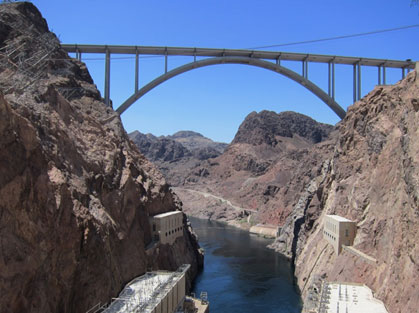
(372, 178)
(75, 193)
(262, 172)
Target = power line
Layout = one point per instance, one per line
(336, 38)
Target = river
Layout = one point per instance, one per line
(242, 275)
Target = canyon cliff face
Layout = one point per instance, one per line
(260, 175)
(372, 178)
(365, 169)
(75, 193)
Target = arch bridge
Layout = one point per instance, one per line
(270, 60)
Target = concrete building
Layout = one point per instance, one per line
(166, 227)
(339, 231)
(338, 297)
(154, 292)
(350, 298)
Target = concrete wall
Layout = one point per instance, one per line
(346, 234)
(330, 232)
(173, 298)
(263, 230)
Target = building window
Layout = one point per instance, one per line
(347, 232)
(154, 227)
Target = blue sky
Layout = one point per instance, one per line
(215, 100)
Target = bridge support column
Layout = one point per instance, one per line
(403, 72)
(136, 72)
(305, 69)
(384, 75)
(78, 55)
(331, 86)
(355, 84)
(359, 81)
(165, 63)
(379, 75)
(107, 78)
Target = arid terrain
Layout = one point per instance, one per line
(75, 193)
(289, 171)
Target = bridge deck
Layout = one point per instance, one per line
(211, 52)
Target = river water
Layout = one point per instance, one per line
(242, 275)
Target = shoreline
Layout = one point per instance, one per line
(241, 225)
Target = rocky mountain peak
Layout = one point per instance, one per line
(30, 13)
(267, 126)
(186, 134)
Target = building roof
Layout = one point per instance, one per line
(353, 298)
(339, 218)
(144, 293)
(167, 214)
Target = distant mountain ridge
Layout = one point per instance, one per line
(179, 145)
(193, 140)
(176, 154)
(159, 148)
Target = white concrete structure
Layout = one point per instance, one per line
(349, 298)
(166, 227)
(339, 231)
(269, 231)
(155, 292)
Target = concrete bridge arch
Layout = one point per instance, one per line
(329, 101)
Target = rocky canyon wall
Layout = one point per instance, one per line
(75, 193)
(372, 178)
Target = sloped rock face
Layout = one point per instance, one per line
(271, 159)
(372, 178)
(75, 193)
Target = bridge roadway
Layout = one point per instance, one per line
(212, 52)
(241, 56)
